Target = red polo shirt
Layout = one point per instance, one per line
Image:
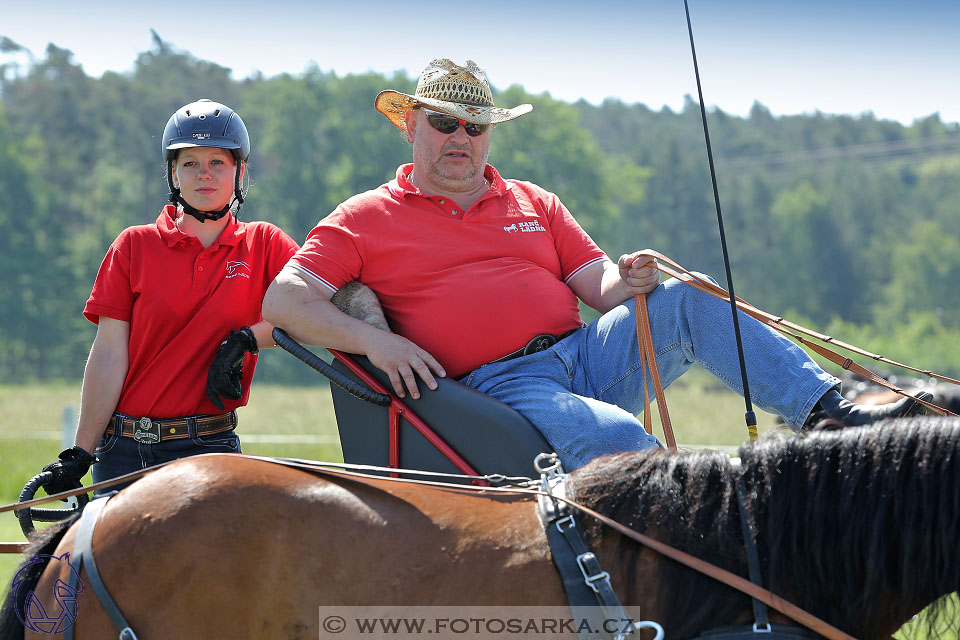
(467, 286)
(181, 301)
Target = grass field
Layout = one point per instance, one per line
(299, 422)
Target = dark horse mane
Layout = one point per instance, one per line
(857, 526)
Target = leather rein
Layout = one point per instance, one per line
(791, 329)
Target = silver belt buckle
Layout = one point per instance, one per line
(146, 432)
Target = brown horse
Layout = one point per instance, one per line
(857, 526)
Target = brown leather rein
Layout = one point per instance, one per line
(355, 473)
(647, 353)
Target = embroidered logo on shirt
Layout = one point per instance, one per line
(237, 268)
(524, 227)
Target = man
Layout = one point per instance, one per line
(480, 278)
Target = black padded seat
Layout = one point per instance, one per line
(489, 435)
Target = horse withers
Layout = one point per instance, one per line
(857, 526)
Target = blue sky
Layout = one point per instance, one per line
(900, 60)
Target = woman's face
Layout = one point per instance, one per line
(205, 177)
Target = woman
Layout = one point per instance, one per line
(165, 295)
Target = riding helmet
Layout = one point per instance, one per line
(206, 123)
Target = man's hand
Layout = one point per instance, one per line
(401, 359)
(226, 372)
(68, 470)
(639, 272)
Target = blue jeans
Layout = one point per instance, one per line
(119, 455)
(584, 393)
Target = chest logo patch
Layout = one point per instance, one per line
(524, 227)
(237, 268)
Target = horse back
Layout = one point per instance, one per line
(219, 544)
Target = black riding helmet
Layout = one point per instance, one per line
(205, 123)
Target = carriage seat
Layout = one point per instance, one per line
(489, 435)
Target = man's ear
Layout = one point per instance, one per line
(410, 118)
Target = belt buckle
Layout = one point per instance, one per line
(540, 343)
(146, 432)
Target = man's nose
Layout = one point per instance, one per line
(460, 135)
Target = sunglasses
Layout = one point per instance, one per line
(448, 124)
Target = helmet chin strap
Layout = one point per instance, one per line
(202, 216)
(177, 199)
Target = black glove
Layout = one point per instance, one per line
(68, 470)
(226, 371)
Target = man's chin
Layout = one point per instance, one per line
(457, 174)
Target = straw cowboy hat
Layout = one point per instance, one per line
(462, 92)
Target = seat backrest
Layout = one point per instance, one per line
(489, 435)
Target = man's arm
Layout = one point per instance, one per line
(604, 285)
(305, 311)
(358, 301)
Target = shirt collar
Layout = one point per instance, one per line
(171, 233)
(402, 186)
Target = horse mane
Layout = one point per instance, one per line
(858, 526)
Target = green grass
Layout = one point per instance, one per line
(703, 413)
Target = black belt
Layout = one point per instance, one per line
(539, 343)
(151, 431)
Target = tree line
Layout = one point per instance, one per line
(848, 224)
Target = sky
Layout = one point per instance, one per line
(896, 59)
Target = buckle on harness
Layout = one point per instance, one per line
(146, 432)
(593, 573)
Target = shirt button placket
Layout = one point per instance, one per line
(199, 263)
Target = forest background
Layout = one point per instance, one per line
(850, 225)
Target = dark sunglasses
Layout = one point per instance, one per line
(448, 124)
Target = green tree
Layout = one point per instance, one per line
(926, 270)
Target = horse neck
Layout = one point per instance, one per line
(858, 527)
(684, 501)
(864, 531)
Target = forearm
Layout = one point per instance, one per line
(612, 290)
(311, 318)
(103, 379)
(606, 284)
(601, 287)
(263, 333)
(308, 314)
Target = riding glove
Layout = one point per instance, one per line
(68, 470)
(226, 371)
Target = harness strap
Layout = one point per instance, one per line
(777, 632)
(761, 623)
(586, 584)
(83, 555)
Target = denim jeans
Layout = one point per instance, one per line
(584, 392)
(119, 455)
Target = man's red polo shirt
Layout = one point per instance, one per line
(181, 301)
(467, 286)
